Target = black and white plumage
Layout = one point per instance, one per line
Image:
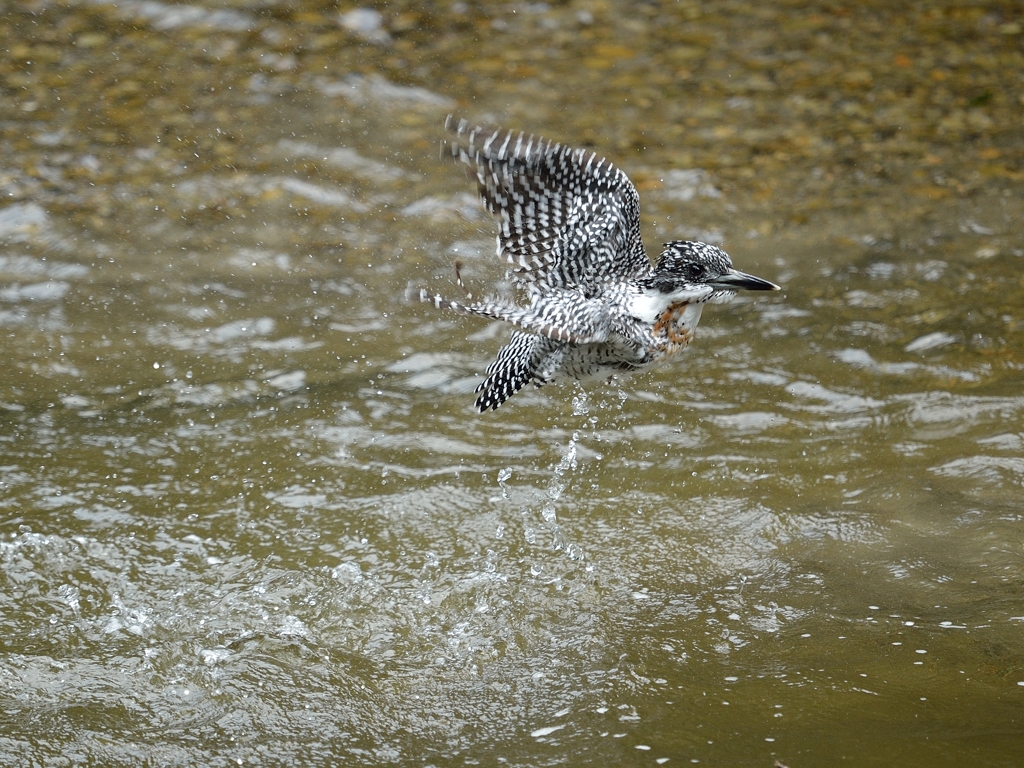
(569, 226)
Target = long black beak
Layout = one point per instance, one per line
(734, 280)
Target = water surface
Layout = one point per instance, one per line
(249, 513)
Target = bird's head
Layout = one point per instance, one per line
(685, 267)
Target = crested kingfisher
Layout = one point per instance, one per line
(569, 226)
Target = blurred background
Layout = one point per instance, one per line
(248, 514)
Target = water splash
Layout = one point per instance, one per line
(503, 478)
(580, 404)
(567, 463)
(557, 485)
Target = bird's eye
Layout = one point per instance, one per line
(695, 271)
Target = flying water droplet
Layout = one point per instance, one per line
(548, 513)
(580, 406)
(503, 476)
(574, 551)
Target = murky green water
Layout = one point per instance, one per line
(250, 517)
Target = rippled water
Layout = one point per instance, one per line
(250, 516)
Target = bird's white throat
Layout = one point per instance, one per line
(649, 305)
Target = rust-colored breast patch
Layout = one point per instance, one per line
(672, 336)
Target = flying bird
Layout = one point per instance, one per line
(569, 227)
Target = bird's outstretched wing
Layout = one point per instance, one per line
(515, 366)
(568, 218)
(524, 359)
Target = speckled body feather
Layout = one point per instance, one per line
(569, 227)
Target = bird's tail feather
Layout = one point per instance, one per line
(526, 319)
